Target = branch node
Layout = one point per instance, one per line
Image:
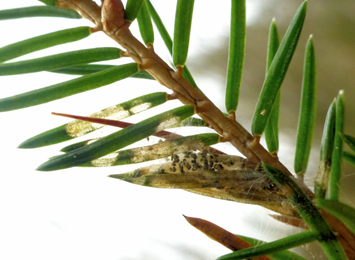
(226, 137)
(252, 144)
(172, 96)
(180, 70)
(112, 13)
(231, 116)
(202, 106)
